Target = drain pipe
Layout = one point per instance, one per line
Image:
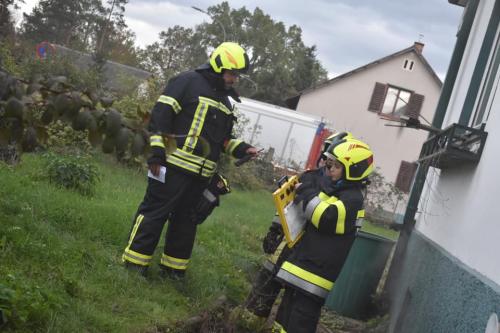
(437, 122)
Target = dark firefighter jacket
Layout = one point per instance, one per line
(316, 260)
(195, 107)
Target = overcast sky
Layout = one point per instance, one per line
(348, 34)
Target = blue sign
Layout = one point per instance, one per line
(43, 49)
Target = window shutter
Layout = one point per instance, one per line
(415, 105)
(405, 176)
(378, 97)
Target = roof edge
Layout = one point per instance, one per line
(461, 3)
(371, 64)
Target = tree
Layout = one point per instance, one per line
(69, 23)
(112, 36)
(6, 21)
(120, 47)
(179, 49)
(280, 63)
(86, 26)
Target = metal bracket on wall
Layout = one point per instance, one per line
(454, 146)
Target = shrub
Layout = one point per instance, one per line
(245, 176)
(73, 172)
(23, 304)
(63, 139)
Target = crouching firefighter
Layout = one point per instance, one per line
(311, 269)
(266, 288)
(196, 113)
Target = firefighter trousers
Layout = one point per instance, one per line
(264, 292)
(173, 201)
(266, 288)
(299, 312)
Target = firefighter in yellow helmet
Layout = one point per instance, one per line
(311, 269)
(334, 138)
(265, 287)
(195, 112)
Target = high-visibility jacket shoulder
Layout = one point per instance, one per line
(202, 119)
(318, 257)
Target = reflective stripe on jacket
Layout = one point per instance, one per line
(304, 280)
(318, 257)
(202, 119)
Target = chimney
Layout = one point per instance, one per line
(418, 47)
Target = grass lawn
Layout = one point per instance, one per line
(60, 267)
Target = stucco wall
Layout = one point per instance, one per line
(459, 206)
(345, 104)
(469, 59)
(438, 294)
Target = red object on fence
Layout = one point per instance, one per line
(321, 134)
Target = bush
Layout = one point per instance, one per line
(63, 139)
(7, 60)
(23, 304)
(74, 173)
(245, 176)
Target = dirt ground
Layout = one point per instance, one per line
(223, 317)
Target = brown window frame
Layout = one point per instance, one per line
(399, 89)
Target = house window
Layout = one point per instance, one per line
(396, 101)
(393, 101)
(408, 65)
(405, 176)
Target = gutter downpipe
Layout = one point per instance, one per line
(396, 268)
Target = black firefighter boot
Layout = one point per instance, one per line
(171, 274)
(142, 270)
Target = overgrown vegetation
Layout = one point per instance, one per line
(60, 254)
(383, 199)
(72, 172)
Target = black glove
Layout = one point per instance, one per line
(210, 198)
(157, 156)
(273, 238)
(206, 204)
(219, 185)
(305, 193)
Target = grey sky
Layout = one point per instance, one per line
(347, 33)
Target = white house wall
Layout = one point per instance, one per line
(471, 53)
(345, 104)
(460, 207)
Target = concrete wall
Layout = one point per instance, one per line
(440, 294)
(345, 104)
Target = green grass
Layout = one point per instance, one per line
(60, 267)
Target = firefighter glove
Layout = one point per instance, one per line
(273, 238)
(305, 193)
(219, 185)
(157, 156)
(207, 203)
